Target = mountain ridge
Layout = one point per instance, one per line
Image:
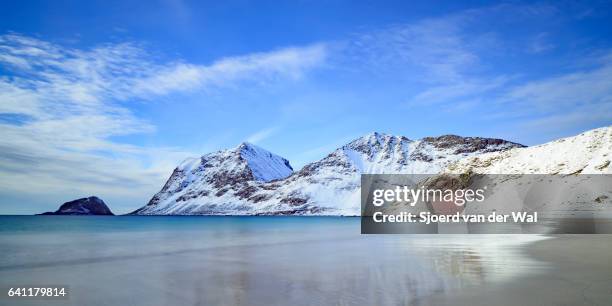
(588, 153)
(228, 183)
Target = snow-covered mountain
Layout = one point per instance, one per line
(563, 194)
(587, 153)
(217, 182)
(251, 180)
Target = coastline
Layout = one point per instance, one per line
(314, 257)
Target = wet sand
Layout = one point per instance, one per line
(294, 261)
(579, 273)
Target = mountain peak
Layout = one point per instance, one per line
(375, 142)
(373, 135)
(265, 165)
(245, 145)
(376, 138)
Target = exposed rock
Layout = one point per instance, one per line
(84, 206)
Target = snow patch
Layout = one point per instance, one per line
(264, 165)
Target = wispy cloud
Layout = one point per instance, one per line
(438, 55)
(262, 134)
(289, 62)
(564, 101)
(431, 48)
(540, 43)
(465, 89)
(577, 88)
(448, 59)
(62, 108)
(456, 63)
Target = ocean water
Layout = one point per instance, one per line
(132, 260)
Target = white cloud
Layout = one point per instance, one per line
(566, 100)
(289, 62)
(469, 88)
(574, 89)
(262, 134)
(72, 102)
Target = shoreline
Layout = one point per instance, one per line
(419, 269)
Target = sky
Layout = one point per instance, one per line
(106, 97)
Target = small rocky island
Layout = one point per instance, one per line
(84, 206)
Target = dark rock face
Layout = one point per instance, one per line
(84, 206)
(470, 144)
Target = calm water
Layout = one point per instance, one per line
(247, 261)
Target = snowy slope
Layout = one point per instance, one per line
(251, 180)
(218, 179)
(264, 165)
(566, 194)
(587, 153)
(332, 185)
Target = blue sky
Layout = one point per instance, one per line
(106, 97)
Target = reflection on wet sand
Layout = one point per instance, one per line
(476, 259)
(315, 261)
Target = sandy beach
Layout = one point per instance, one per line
(293, 261)
(579, 273)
